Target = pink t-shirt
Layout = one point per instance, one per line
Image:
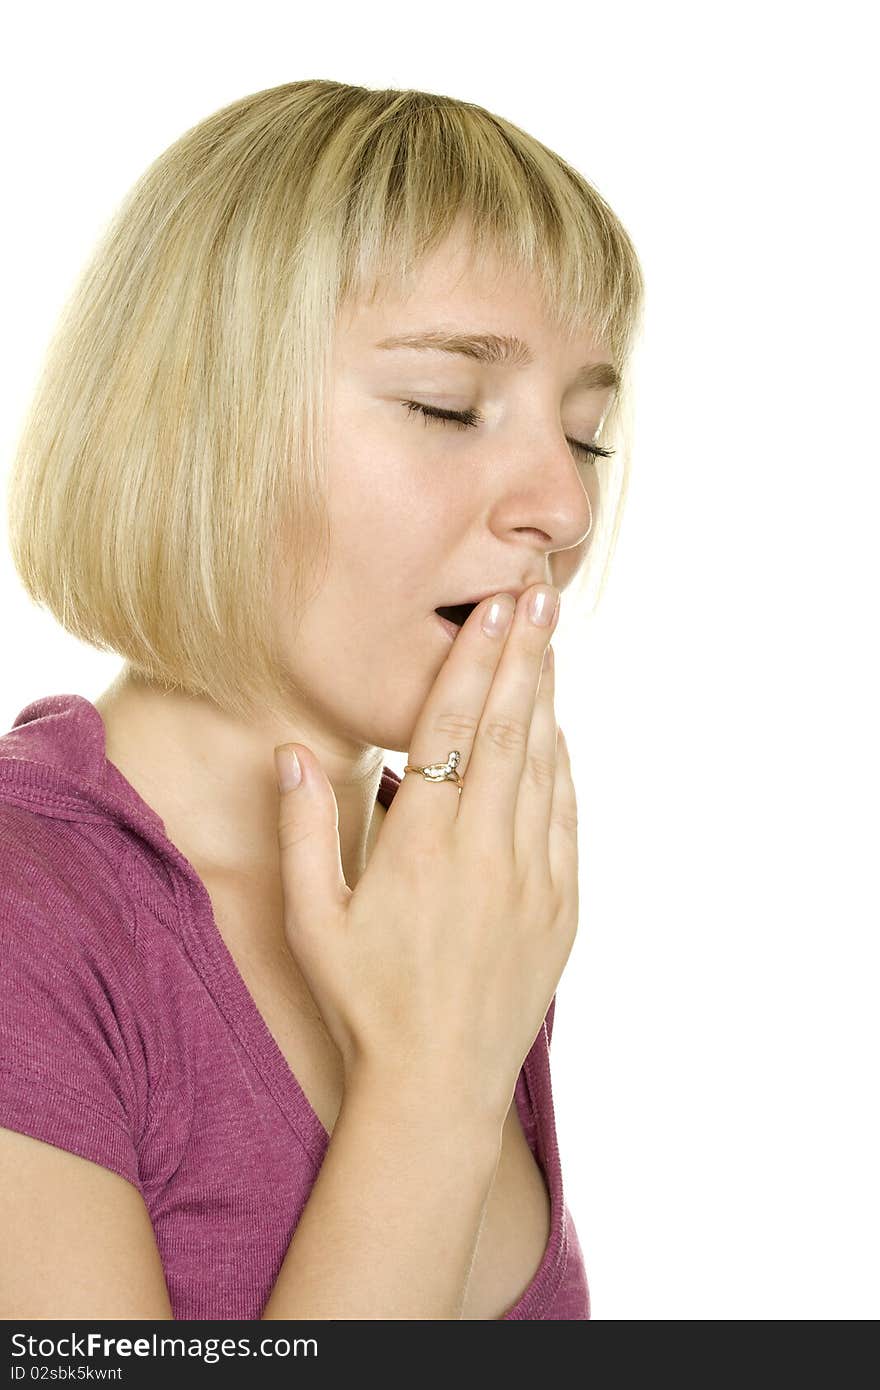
(128, 1036)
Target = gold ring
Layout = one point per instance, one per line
(440, 772)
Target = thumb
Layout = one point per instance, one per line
(308, 839)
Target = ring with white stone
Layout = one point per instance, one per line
(440, 772)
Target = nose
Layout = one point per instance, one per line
(552, 505)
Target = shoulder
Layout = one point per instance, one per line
(76, 1011)
(64, 896)
(59, 853)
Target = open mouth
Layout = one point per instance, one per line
(457, 613)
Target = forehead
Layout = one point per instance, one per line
(451, 291)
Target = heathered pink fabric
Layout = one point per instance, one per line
(128, 1036)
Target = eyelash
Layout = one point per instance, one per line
(466, 419)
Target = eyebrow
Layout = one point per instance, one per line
(493, 349)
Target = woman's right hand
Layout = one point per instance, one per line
(439, 967)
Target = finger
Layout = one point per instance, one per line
(535, 800)
(563, 828)
(487, 805)
(451, 714)
(312, 878)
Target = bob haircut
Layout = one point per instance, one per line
(168, 487)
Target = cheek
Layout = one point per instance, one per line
(369, 483)
(386, 506)
(362, 512)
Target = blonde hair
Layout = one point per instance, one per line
(168, 488)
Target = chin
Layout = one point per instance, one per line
(396, 712)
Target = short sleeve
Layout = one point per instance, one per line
(65, 1072)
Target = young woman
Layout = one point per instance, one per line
(336, 412)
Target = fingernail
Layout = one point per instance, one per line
(496, 619)
(542, 606)
(287, 769)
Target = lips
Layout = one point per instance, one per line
(458, 613)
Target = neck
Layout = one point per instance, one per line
(211, 780)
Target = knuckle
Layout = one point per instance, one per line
(506, 734)
(456, 726)
(424, 848)
(537, 890)
(541, 772)
(566, 819)
(427, 859)
(293, 833)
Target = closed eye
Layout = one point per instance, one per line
(467, 419)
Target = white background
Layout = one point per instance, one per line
(714, 1055)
